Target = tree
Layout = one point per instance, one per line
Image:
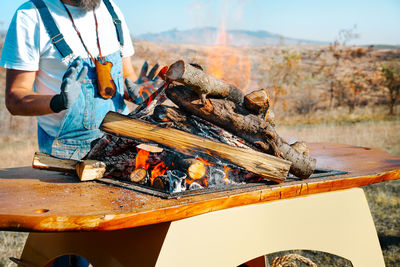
(391, 72)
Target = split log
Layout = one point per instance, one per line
(266, 166)
(150, 148)
(47, 162)
(237, 120)
(86, 170)
(202, 83)
(175, 118)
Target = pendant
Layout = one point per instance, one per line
(105, 85)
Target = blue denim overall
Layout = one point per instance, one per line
(80, 125)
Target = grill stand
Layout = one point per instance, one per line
(336, 222)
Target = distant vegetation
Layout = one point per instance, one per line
(300, 79)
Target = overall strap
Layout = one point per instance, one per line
(56, 36)
(116, 20)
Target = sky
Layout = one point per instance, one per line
(376, 22)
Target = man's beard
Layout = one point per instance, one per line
(87, 5)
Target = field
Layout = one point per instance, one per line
(323, 102)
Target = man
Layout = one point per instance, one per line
(66, 61)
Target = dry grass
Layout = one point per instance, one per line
(383, 134)
(11, 244)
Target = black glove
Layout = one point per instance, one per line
(70, 87)
(145, 85)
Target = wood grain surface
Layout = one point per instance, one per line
(37, 200)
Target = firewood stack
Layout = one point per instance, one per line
(213, 136)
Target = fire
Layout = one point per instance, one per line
(158, 170)
(205, 161)
(155, 168)
(228, 63)
(226, 178)
(141, 159)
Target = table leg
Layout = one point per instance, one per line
(336, 222)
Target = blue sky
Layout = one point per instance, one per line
(377, 21)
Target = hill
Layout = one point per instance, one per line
(210, 35)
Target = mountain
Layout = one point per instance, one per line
(210, 35)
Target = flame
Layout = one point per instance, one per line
(158, 170)
(226, 62)
(226, 178)
(155, 168)
(205, 161)
(205, 182)
(141, 159)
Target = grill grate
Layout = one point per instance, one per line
(318, 173)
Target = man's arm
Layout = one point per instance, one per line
(20, 99)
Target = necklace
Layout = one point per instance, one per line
(105, 85)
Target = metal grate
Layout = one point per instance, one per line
(318, 173)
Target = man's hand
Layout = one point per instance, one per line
(145, 85)
(70, 86)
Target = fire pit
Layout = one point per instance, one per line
(154, 191)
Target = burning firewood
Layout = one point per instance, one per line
(194, 168)
(237, 120)
(265, 165)
(202, 83)
(139, 176)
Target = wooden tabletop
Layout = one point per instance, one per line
(35, 200)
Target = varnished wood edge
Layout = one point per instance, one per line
(109, 222)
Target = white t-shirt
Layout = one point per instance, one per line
(28, 46)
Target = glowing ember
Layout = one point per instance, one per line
(205, 161)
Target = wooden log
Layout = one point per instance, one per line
(257, 101)
(266, 166)
(98, 147)
(161, 183)
(194, 168)
(176, 118)
(150, 148)
(86, 170)
(301, 147)
(139, 176)
(202, 83)
(89, 170)
(46, 162)
(237, 120)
